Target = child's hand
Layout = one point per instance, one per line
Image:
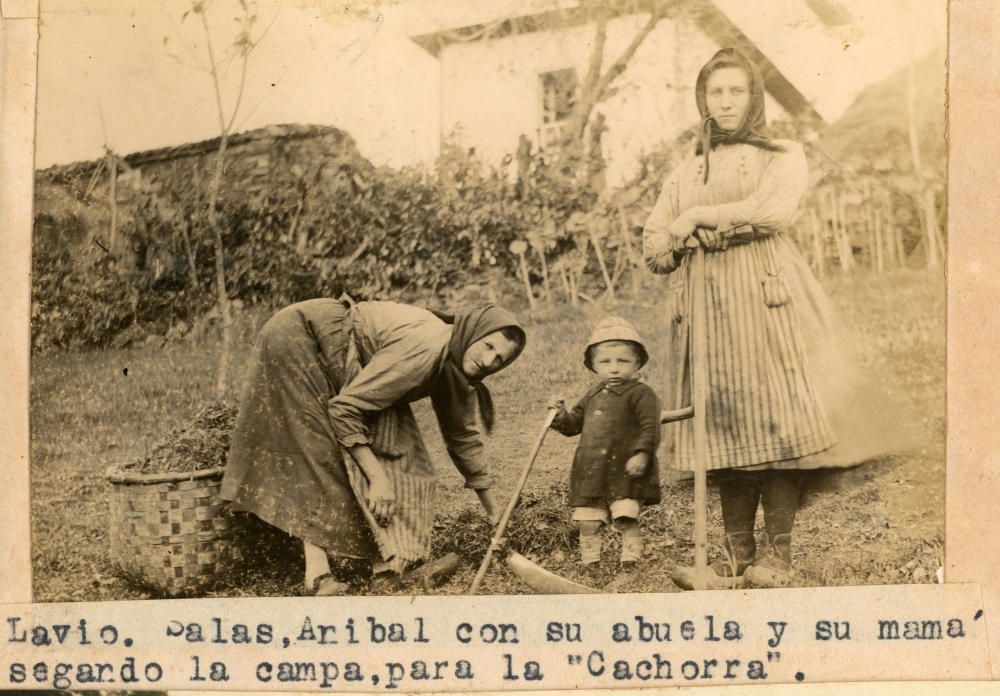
(636, 464)
(557, 402)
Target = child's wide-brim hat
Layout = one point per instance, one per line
(615, 329)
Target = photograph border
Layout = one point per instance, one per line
(973, 293)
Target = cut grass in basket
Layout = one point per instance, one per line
(196, 445)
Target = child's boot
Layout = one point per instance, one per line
(590, 546)
(631, 543)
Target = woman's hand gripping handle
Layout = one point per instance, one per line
(381, 495)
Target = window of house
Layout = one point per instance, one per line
(558, 89)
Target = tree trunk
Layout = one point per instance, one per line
(596, 86)
(225, 313)
(113, 200)
(188, 253)
(545, 275)
(926, 204)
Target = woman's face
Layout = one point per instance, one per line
(488, 355)
(727, 96)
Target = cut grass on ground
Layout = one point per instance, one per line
(96, 409)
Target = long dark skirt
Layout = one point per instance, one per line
(284, 463)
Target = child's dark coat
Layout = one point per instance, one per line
(615, 422)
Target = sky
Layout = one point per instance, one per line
(129, 74)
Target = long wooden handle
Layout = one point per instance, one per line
(678, 414)
(511, 504)
(699, 397)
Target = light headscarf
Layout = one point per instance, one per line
(752, 128)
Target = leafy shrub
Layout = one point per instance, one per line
(374, 233)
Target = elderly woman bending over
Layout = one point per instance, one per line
(326, 447)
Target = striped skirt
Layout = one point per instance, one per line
(765, 407)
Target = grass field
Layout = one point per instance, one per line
(882, 523)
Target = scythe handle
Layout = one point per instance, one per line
(501, 528)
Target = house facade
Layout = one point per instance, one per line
(502, 80)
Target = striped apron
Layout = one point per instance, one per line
(763, 408)
(399, 446)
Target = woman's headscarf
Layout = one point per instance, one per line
(469, 327)
(752, 129)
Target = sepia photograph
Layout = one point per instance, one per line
(500, 298)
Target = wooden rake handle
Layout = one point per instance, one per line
(699, 398)
(501, 527)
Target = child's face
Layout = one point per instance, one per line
(614, 361)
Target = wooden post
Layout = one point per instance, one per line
(561, 270)
(818, 242)
(520, 247)
(845, 251)
(897, 234)
(935, 246)
(608, 283)
(113, 200)
(876, 214)
(527, 281)
(545, 273)
(699, 399)
(632, 263)
(621, 263)
(571, 283)
(830, 222)
(866, 218)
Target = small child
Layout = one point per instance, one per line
(614, 469)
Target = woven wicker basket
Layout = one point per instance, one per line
(170, 532)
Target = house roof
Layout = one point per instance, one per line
(708, 17)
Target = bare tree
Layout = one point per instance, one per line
(923, 184)
(924, 195)
(237, 52)
(597, 84)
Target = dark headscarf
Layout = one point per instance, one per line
(469, 327)
(752, 129)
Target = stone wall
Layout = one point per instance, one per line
(72, 202)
